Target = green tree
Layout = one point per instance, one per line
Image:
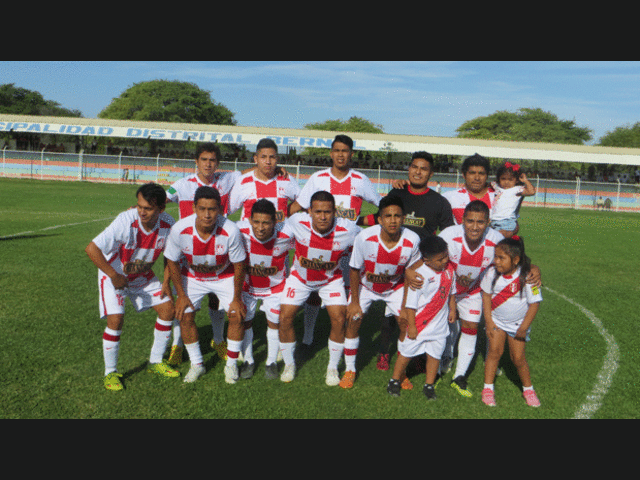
(628, 137)
(20, 101)
(354, 124)
(168, 101)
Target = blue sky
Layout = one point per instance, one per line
(403, 97)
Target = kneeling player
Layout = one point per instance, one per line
(214, 253)
(267, 244)
(380, 256)
(124, 254)
(425, 316)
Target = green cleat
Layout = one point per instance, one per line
(112, 382)
(163, 369)
(459, 384)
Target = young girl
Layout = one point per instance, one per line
(509, 307)
(511, 188)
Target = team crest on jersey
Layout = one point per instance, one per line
(219, 249)
(317, 264)
(465, 280)
(160, 243)
(279, 216)
(514, 287)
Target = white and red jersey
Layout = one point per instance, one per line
(130, 249)
(431, 302)
(507, 201)
(183, 191)
(268, 261)
(459, 199)
(248, 189)
(470, 264)
(206, 260)
(317, 256)
(348, 192)
(382, 269)
(509, 304)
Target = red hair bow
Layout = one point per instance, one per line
(515, 237)
(514, 166)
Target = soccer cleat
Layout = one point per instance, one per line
(406, 384)
(348, 379)
(195, 372)
(459, 384)
(531, 398)
(175, 357)
(231, 373)
(383, 361)
(488, 397)
(332, 378)
(288, 373)
(112, 382)
(393, 388)
(429, 391)
(163, 369)
(246, 370)
(221, 349)
(271, 371)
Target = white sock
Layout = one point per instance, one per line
(350, 353)
(466, 350)
(273, 343)
(310, 317)
(177, 334)
(524, 389)
(287, 349)
(233, 351)
(247, 345)
(195, 355)
(489, 386)
(217, 325)
(335, 354)
(161, 337)
(110, 349)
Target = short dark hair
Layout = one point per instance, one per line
(475, 161)
(432, 245)
(208, 147)
(322, 196)
(389, 200)
(154, 194)
(266, 143)
(477, 206)
(426, 155)
(347, 140)
(206, 191)
(264, 206)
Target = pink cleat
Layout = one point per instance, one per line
(531, 398)
(488, 397)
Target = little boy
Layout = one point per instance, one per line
(424, 317)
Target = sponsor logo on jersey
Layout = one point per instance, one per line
(317, 264)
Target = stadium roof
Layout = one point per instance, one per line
(300, 138)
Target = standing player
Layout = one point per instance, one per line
(380, 256)
(211, 246)
(182, 192)
(124, 254)
(264, 182)
(475, 171)
(320, 241)
(350, 188)
(426, 213)
(267, 244)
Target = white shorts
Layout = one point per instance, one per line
(470, 307)
(270, 306)
(412, 348)
(143, 297)
(196, 290)
(510, 328)
(393, 300)
(296, 293)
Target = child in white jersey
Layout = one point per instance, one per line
(509, 307)
(511, 187)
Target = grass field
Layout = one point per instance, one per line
(584, 353)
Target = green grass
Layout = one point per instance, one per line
(51, 336)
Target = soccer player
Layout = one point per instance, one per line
(320, 241)
(425, 316)
(212, 248)
(267, 243)
(350, 188)
(125, 253)
(475, 171)
(378, 261)
(265, 181)
(182, 192)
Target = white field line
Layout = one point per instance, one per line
(605, 376)
(53, 227)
